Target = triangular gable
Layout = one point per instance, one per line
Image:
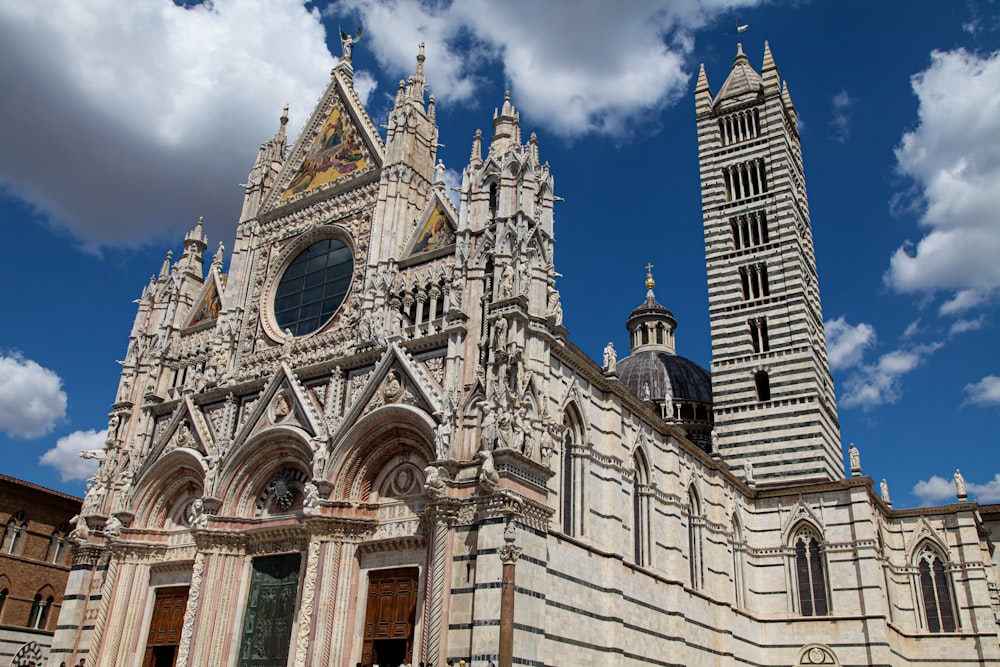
(185, 429)
(337, 145)
(395, 359)
(209, 303)
(436, 229)
(284, 401)
(801, 512)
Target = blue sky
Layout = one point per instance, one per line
(123, 122)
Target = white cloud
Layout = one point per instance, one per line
(938, 490)
(32, 401)
(65, 456)
(953, 157)
(880, 383)
(962, 326)
(117, 108)
(575, 66)
(843, 104)
(912, 329)
(846, 343)
(986, 392)
(964, 300)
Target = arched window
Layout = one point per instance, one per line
(739, 554)
(763, 386)
(3, 601)
(935, 592)
(57, 544)
(572, 499)
(810, 578)
(640, 509)
(14, 536)
(695, 567)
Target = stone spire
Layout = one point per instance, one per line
(702, 93)
(769, 72)
(743, 83)
(506, 127)
(195, 243)
(416, 84)
(476, 155)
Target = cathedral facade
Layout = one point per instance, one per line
(372, 441)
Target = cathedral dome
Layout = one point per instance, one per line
(654, 371)
(667, 375)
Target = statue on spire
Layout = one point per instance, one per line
(347, 43)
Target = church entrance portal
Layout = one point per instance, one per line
(165, 626)
(389, 619)
(267, 628)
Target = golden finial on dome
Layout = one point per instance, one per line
(650, 283)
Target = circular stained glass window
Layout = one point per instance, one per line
(313, 287)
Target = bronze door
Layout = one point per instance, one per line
(270, 613)
(165, 627)
(389, 619)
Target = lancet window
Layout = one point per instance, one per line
(749, 230)
(810, 574)
(762, 384)
(14, 535)
(740, 126)
(695, 564)
(753, 280)
(935, 592)
(57, 544)
(758, 335)
(739, 554)
(746, 179)
(640, 509)
(39, 612)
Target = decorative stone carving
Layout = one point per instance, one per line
(960, 486)
(112, 527)
(434, 481)
(488, 477)
(310, 498)
(883, 491)
(80, 531)
(855, 460)
(281, 493)
(392, 388)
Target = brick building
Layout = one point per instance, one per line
(34, 566)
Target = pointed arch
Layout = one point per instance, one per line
(936, 601)
(41, 607)
(809, 571)
(739, 560)
(571, 489)
(696, 567)
(17, 528)
(641, 507)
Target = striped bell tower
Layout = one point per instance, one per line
(775, 406)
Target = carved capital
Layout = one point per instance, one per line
(509, 554)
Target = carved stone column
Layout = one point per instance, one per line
(509, 554)
(437, 518)
(194, 594)
(306, 608)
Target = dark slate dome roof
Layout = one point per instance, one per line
(687, 380)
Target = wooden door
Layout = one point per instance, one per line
(165, 627)
(389, 618)
(270, 613)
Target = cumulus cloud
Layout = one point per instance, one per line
(32, 401)
(65, 456)
(953, 158)
(986, 392)
(879, 383)
(937, 490)
(840, 124)
(124, 118)
(846, 343)
(562, 72)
